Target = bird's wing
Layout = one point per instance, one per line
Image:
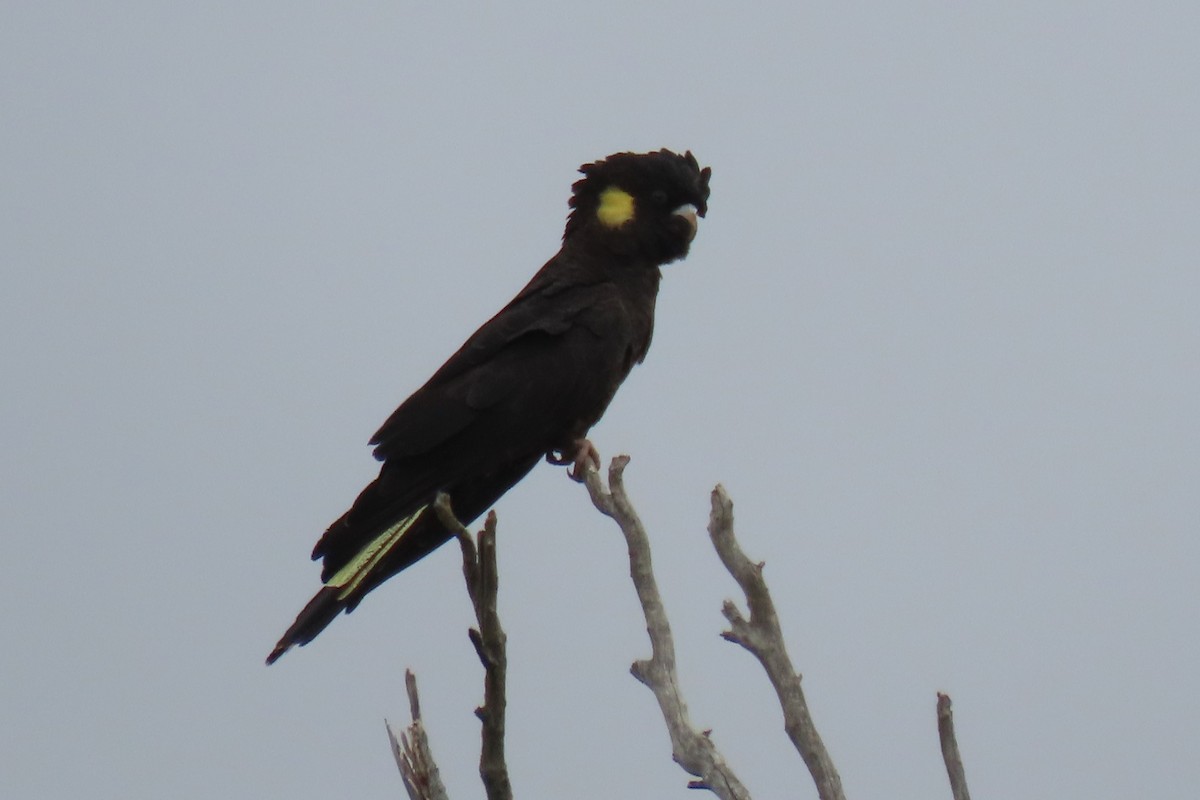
(518, 386)
(513, 352)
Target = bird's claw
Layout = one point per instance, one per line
(586, 455)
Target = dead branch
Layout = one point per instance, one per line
(413, 756)
(692, 750)
(950, 754)
(761, 635)
(490, 641)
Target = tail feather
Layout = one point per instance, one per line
(316, 616)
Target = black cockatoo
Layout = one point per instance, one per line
(528, 384)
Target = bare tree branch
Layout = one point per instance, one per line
(762, 636)
(413, 756)
(490, 641)
(950, 754)
(692, 750)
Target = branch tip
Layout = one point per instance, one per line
(950, 754)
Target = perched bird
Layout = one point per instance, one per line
(527, 385)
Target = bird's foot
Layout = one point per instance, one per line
(585, 455)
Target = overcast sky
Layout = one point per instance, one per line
(938, 337)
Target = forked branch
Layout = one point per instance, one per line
(490, 641)
(411, 748)
(761, 635)
(692, 749)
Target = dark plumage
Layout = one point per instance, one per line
(528, 384)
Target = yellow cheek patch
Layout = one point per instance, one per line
(616, 207)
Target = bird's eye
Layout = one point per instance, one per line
(659, 197)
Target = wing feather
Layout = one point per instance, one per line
(478, 375)
(530, 380)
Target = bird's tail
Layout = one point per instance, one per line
(315, 617)
(372, 565)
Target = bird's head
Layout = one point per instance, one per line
(639, 204)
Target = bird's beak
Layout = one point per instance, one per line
(688, 212)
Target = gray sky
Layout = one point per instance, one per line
(938, 337)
